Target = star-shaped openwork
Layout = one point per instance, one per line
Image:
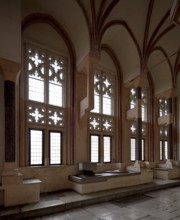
(106, 82)
(94, 123)
(36, 59)
(133, 129)
(106, 125)
(133, 92)
(55, 118)
(36, 115)
(56, 66)
(96, 79)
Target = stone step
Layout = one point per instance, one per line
(51, 203)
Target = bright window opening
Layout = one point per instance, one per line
(46, 100)
(107, 148)
(36, 147)
(95, 148)
(55, 148)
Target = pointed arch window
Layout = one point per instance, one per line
(103, 93)
(162, 107)
(144, 105)
(101, 119)
(163, 143)
(46, 84)
(133, 141)
(133, 98)
(133, 128)
(163, 110)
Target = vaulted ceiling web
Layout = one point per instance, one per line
(139, 34)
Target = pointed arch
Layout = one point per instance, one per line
(124, 24)
(166, 59)
(117, 65)
(35, 18)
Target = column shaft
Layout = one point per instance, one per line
(9, 97)
(169, 130)
(138, 126)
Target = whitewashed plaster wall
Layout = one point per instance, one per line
(10, 26)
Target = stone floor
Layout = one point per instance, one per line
(162, 204)
(158, 200)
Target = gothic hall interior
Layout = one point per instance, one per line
(90, 96)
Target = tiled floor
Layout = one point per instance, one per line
(157, 200)
(156, 205)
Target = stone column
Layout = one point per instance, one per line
(10, 139)
(16, 191)
(10, 71)
(138, 125)
(169, 130)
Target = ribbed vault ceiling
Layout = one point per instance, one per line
(139, 33)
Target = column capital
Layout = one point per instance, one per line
(88, 66)
(170, 93)
(139, 81)
(10, 69)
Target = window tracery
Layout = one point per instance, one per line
(101, 119)
(46, 79)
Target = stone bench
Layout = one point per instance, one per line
(107, 180)
(28, 191)
(166, 173)
(167, 170)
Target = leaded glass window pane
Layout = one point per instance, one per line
(55, 94)
(97, 93)
(143, 143)
(133, 149)
(35, 70)
(46, 83)
(161, 150)
(103, 93)
(36, 147)
(55, 148)
(166, 149)
(144, 104)
(163, 143)
(107, 106)
(56, 73)
(95, 148)
(107, 148)
(96, 103)
(162, 107)
(143, 112)
(101, 120)
(36, 89)
(133, 98)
